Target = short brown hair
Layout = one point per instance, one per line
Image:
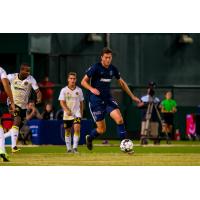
(106, 50)
(71, 73)
(25, 64)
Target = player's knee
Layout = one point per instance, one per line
(101, 130)
(119, 121)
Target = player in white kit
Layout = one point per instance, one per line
(21, 85)
(71, 100)
(5, 82)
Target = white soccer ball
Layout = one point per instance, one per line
(126, 145)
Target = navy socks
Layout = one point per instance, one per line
(121, 131)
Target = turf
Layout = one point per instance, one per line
(176, 154)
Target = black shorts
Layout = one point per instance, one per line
(69, 123)
(168, 118)
(99, 108)
(20, 112)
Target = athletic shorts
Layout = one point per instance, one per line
(99, 108)
(69, 123)
(168, 118)
(20, 112)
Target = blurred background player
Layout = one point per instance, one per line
(71, 100)
(21, 85)
(5, 83)
(168, 108)
(97, 80)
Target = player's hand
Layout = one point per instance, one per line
(12, 108)
(69, 113)
(95, 91)
(140, 104)
(137, 100)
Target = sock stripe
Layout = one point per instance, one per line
(77, 134)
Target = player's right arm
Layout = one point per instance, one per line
(86, 85)
(37, 90)
(65, 108)
(6, 85)
(63, 104)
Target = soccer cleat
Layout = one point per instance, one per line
(69, 151)
(15, 149)
(5, 157)
(75, 150)
(89, 142)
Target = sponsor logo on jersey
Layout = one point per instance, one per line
(19, 88)
(106, 80)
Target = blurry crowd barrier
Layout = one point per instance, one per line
(52, 131)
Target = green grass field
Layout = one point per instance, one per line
(176, 154)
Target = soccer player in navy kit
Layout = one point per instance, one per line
(97, 80)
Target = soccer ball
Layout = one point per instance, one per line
(126, 145)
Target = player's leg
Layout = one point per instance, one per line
(77, 128)
(67, 127)
(3, 153)
(99, 130)
(98, 111)
(14, 134)
(14, 131)
(2, 140)
(113, 109)
(117, 117)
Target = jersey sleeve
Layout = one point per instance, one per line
(10, 77)
(116, 73)
(34, 84)
(3, 74)
(81, 95)
(62, 95)
(91, 71)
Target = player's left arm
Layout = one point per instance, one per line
(8, 91)
(37, 90)
(81, 99)
(81, 108)
(39, 96)
(125, 87)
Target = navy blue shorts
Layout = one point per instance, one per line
(99, 108)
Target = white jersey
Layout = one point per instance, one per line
(3, 73)
(72, 99)
(21, 89)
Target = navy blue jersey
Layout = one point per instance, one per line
(101, 78)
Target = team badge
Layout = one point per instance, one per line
(77, 93)
(26, 83)
(111, 73)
